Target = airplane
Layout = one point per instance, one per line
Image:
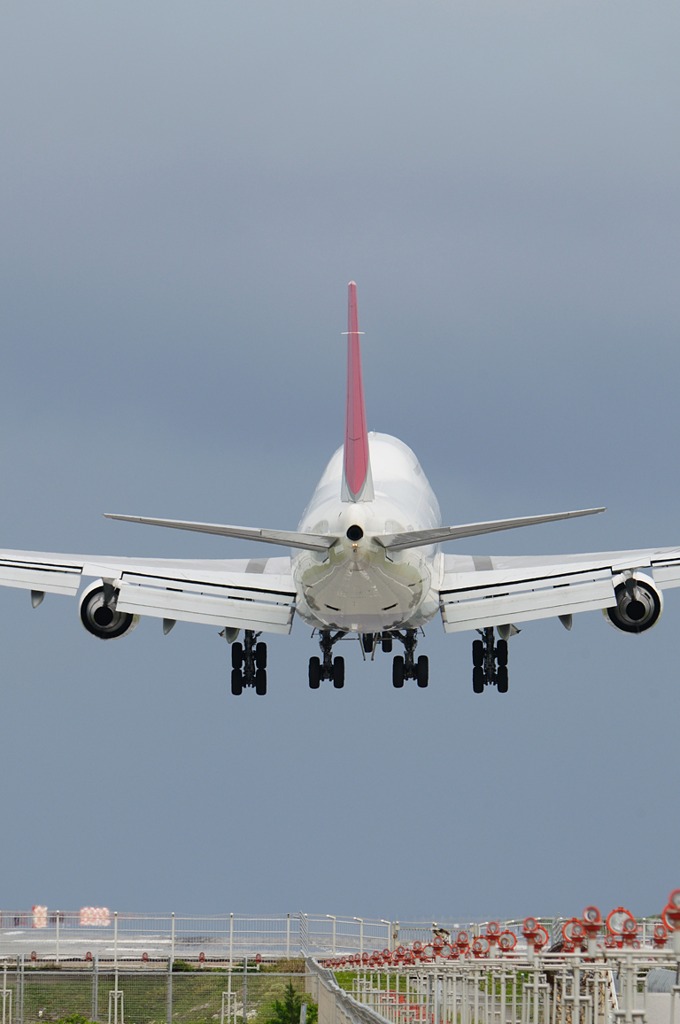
(365, 562)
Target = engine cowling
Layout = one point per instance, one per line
(100, 617)
(639, 604)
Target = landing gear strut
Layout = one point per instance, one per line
(405, 666)
(327, 667)
(490, 662)
(249, 664)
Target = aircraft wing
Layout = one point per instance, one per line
(490, 590)
(249, 593)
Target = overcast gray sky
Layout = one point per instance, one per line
(186, 190)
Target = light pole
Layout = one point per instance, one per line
(389, 931)
(334, 919)
(361, 933)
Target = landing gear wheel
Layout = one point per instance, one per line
(261, 655)
(387, 643)
(236, 682)
(236, 655)
(314, 673)
(398, 671)
(260, 682)
(422, 671)
(368, 641)
(338, 673)
(490, 661)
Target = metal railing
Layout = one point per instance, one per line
(112, 936)
(610, 988)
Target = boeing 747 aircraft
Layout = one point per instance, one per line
(365, 562)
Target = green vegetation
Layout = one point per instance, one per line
(287, 1010)
(198, 993)
(380, 980)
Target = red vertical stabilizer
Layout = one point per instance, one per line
(357, 483)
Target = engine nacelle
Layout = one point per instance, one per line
(100, 617)
(639, 604)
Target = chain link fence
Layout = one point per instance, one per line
(147, 993)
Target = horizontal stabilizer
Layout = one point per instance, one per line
(439, 534)
(288, 539)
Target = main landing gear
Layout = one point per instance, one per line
(405, 666)
(327, 667)
(249, 664)
(490, 662)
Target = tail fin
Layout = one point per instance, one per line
(357, 484)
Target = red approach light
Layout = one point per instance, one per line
(573, 931)
(507, 941)
(616, 918)
(671, 912)
(592, 921)
(530, 927)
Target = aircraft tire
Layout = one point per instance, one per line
(423, 671)
(477, 653)
(398, 671)
(261, 656)
(502, 652)
(261, 682)
(368, 642)
(502, 679)
(338, 673)
(236, 655)
(314, 673)
(236, 682)
(478, 679)
(387, 643)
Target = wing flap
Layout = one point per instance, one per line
(521, 601)
(269, 609)
(666, 572)
(46, 577)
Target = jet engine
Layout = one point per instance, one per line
(98, 613)
(638, 604)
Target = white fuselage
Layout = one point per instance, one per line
(357, 585)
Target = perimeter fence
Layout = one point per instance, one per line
(61, 936)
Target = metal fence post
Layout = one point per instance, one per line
(169, 992)
(95, 988)
(20, 1001)
(6, 998)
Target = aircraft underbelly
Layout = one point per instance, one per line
(363, 595)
